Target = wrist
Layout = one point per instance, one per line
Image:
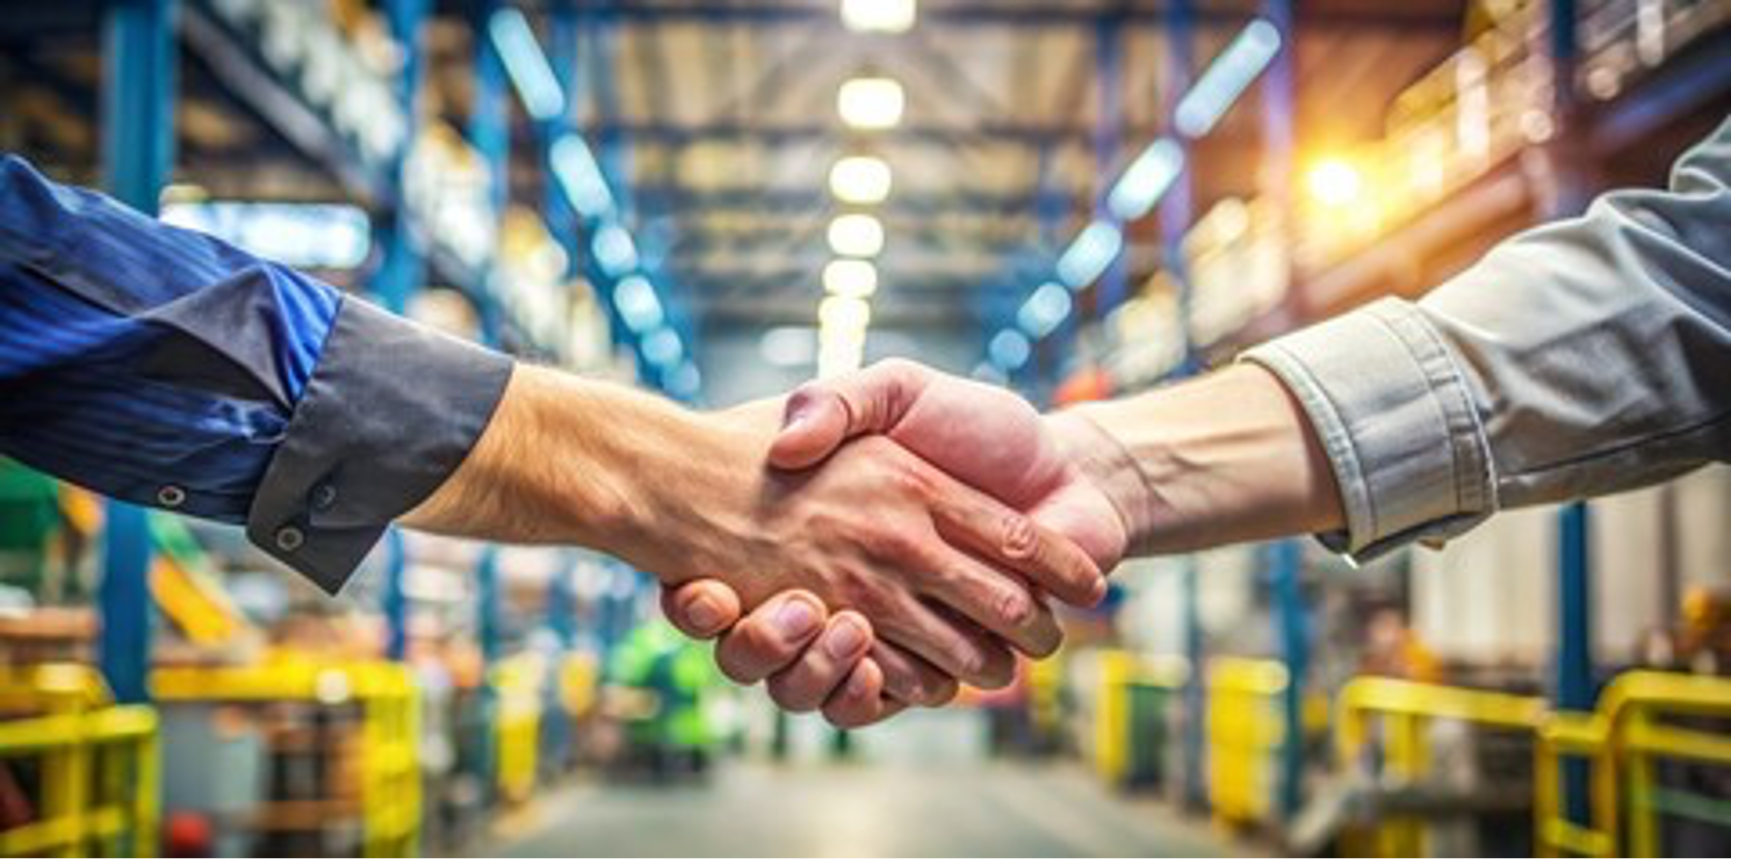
(687, 487)
(1108, 465)
(1223, 458)
(577, 462)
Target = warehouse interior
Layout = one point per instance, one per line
(719, 201)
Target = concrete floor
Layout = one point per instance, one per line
(857, 809)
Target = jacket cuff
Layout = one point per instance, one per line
(1398, 422)
(391, 410)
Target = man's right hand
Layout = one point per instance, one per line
(983, 436)
(943, 571)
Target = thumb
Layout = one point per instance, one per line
(816, 422)
(702, 609)
(820, 416)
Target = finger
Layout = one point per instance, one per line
(702, 609)
(1000, 602)
(819, 416)
(910, 679)
(771, 637)
(860, 702)
(807, 683)
(1003, 536)
(958, 649)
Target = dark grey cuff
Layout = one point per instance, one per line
(392, 409)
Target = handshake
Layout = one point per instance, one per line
(873, 540)
(934, 515)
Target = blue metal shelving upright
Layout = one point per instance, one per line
(138, 154)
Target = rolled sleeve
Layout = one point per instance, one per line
(391, 410)
(1398, 421)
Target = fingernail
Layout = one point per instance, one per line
(859, 683)
(844, 639)
(796, 619)
(703, 613)
(799, 411)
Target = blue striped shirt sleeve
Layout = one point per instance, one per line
(164, 367)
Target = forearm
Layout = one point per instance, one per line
(579, 462)
(1226, 458)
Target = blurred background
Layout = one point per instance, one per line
(721, 200)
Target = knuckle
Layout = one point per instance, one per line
(734, 668)
(846, 717)
(970, 661)
(874, 601)
(998, 675)
(760, 640)
(1046, 648)
(897, 368)
(1019, 539)
(793, 693)
(890, 544)
(910, 479)
(1016, 608)
(941, 693)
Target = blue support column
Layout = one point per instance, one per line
(1194, 691)
(1046, 367)
(488, 610)
(490, 110)
(1176, 210)
(1574, 671)
(400, 271)
(1107, 147)
(1290, 619)
(562, 613)
(395, 603)
(1278, 133)
(488, 604)
(614, 153)
(1575, 688)
(558, 212)
(138, 153)
(1175, 216)
(491, 134)
(1564, 194)
(1278, 100)
(401, 264)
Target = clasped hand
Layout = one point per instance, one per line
(913, 525)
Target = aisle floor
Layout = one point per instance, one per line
(858, 809)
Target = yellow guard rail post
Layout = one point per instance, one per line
(100, 767)
(1630, 731)
(1406, 710)
(518, 684)
(1120, 672)
(389, 783)
(1244, 730)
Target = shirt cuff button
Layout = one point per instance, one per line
(289, 539)
(171, 497)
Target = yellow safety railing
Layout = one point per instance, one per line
(1405, 711)
(576, 684)
(100, 786)
(518, 715)
(1623, 739)
(1245, 728)
(389, 783)
(1119, 671)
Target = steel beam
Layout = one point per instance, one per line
(1416, 17)
(1112, 288)
(138, 153)
(400, 272)
(1566, 193)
